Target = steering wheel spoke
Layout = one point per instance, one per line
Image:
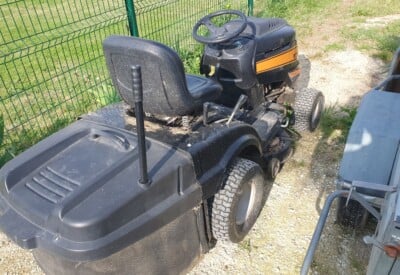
(210, 25)
(219, 34)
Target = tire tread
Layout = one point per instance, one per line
(303, 108)
(223, 199)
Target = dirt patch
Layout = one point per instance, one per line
(380, 21)
(345, 76)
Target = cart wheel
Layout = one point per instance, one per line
(354, 215)
(238, 203)
(308, 108)
(273, 168)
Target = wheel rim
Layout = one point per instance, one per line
(246, 202)
(276, 165)
(316, 114)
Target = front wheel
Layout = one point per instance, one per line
(238, 203)
(308, 108)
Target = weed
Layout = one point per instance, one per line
(361, 11)
(334, 47)
(104, 94)
(337, 119)
(356, 264)
(245, 245)
(191, 58)
(299, 163)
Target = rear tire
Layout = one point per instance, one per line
(238, 203)
(308, 108)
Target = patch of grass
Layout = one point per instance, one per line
(334, 47)
(299, 163)
(191, 58)
(19, 141)
(369, 8)
(387, 45)
(104, 94)
(356, 264)
(380, 42)
(294, 10)
(361, 11)
(321, 268)
(337, 120)
(245, 245)
(301, 14)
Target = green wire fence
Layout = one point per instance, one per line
(52, 67)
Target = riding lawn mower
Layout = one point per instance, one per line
(150, 184)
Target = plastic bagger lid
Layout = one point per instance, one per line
(76, 192)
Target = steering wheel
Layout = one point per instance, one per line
(219, 34)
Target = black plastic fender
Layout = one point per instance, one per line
(212, 155)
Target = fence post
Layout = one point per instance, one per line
(130, 10)
(250, 6)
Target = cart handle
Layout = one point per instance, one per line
(322, 220)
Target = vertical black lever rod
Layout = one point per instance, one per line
(138, 96)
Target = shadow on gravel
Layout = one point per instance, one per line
(304, 77)
(335, 124)
(343, 243)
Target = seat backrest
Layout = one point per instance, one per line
(165, 90)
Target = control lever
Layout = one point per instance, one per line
(242, 99)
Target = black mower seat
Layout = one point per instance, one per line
(167, 91)
(201, 88)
